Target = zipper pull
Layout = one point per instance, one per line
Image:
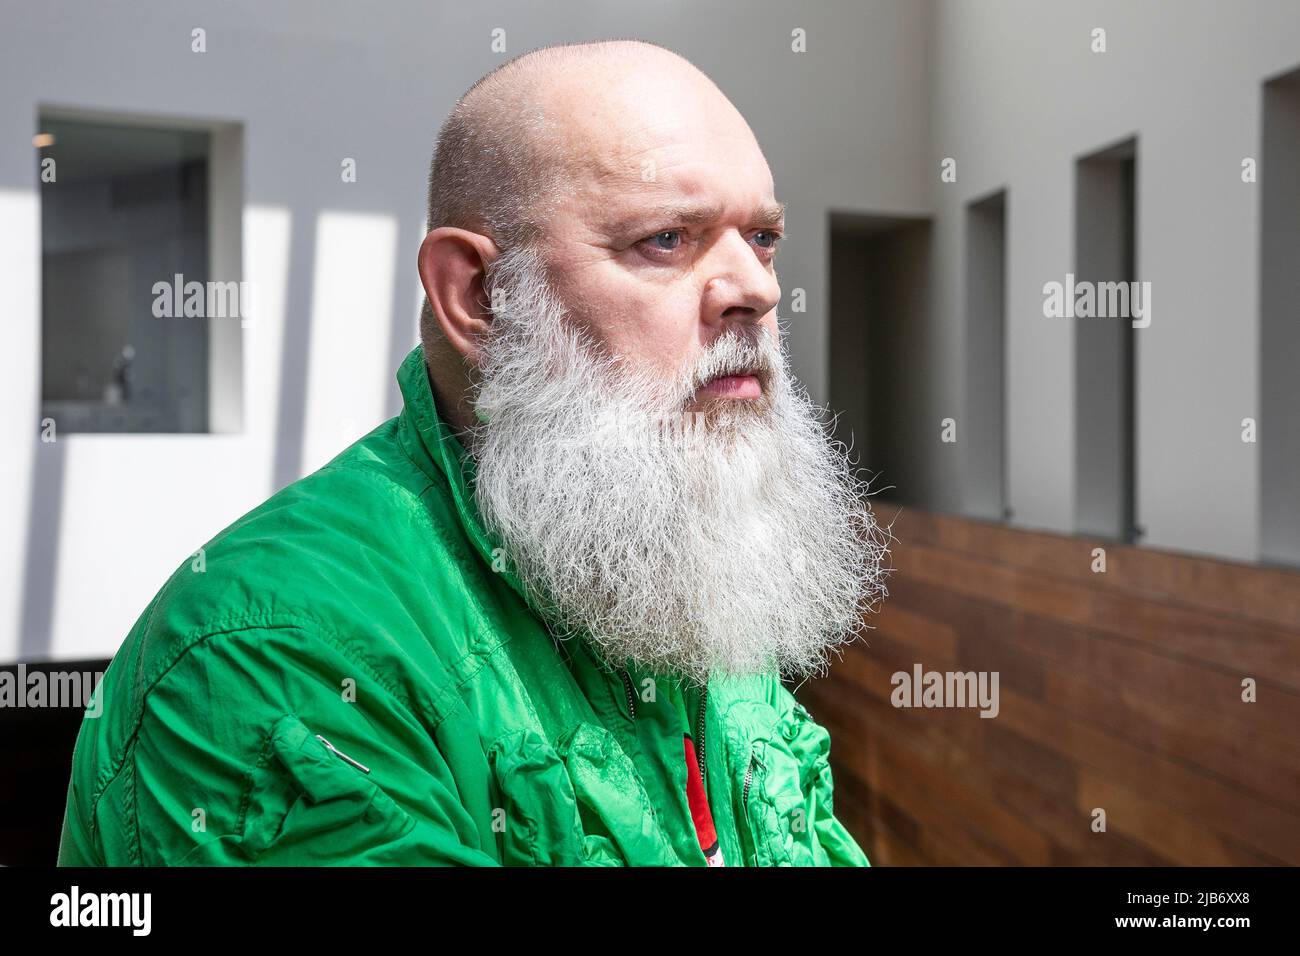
(360, 766)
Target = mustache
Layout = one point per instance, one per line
(742, 351)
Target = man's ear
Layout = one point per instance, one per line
(452, 265)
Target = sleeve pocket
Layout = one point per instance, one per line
(307, 803)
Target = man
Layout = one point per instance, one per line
(541, 616)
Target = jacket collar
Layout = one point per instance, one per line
(432, 445)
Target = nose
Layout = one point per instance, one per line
(740, 288)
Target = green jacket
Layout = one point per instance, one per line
(342, 677)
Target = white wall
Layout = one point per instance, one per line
(91, 525)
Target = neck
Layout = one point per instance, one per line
(452, 404)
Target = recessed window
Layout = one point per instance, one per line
(880, 303)
(1279, 339)
(985, 493)
(1105, 407)
(128, 324)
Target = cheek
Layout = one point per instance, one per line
(668, 331)
(651, 324)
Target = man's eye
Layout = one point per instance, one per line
(666, 241)
(671, 240)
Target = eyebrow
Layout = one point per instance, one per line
(767, 214)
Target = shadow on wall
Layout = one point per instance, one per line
(387, 273)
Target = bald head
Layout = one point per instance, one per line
(505, 149)
(525, 135)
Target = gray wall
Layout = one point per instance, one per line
(1018, 97)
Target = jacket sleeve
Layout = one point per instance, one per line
(811, 744)
(275, 746)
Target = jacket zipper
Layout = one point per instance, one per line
(623, 674)
(699, 750)
(699, 724)
(749, 775)
(627, 689)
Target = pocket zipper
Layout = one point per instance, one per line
(360, 766)
(749, 774)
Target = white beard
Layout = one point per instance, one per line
(734, 541)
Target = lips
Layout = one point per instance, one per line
(739, 385)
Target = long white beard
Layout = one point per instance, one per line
(733, 541)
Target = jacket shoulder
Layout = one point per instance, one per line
(366, 549)
(267, 744)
